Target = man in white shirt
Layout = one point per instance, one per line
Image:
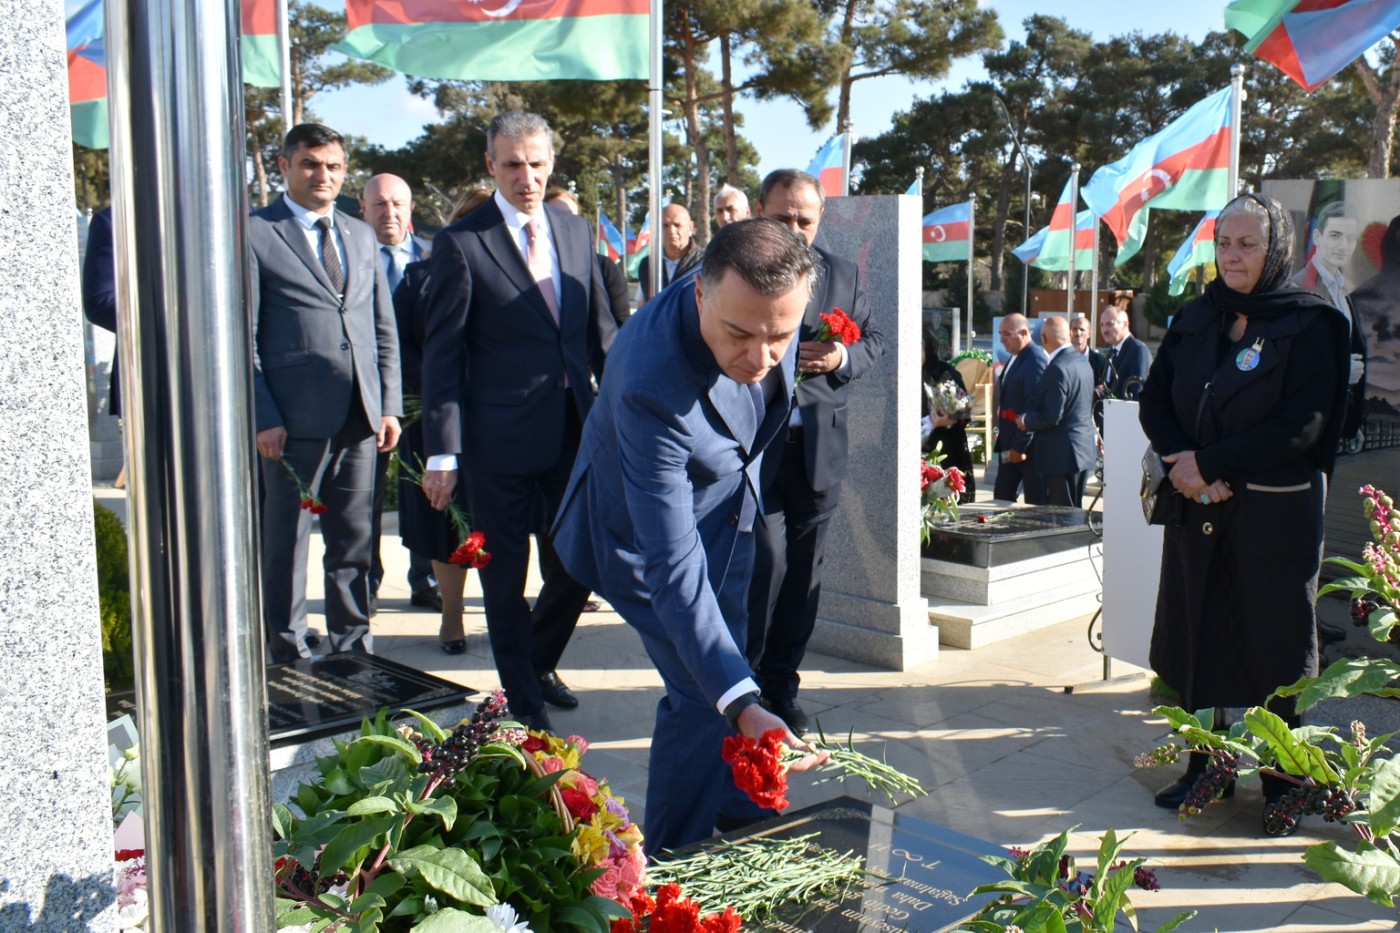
(679, 251)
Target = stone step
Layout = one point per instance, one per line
(1012, 582)
(971, 625)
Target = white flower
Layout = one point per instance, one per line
(132, 916)
(504, 918)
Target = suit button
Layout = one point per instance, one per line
(1207, 529)
(734, 519)
(345, 346)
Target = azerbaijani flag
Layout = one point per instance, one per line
(611, 242)
(1049, 248)
(916, 186)
(87, 72)
(638, 248)
(829, 166)
(946, 233)
(501, 40)
(1312, 40)
(262, 62)
(1185, 166)
(1198, 250)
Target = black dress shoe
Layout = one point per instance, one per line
(556, 693)
(426, 599)
(786, 709)
(535, 722)
(456, 646)
(1330, 634)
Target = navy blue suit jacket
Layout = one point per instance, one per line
(1128, 371)
(1016, 393)
(1062, 415)
(494, 362)
(100, 290)
(651, 518)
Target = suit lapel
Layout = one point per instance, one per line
(501, 245)
(569, 260)
(294, 235)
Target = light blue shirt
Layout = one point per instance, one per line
(307, 218)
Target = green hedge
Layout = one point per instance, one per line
(114, 599)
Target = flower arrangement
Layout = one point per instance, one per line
(952, 401)
(1044, 891)
(1347, 776)
(669, 912)
(760, 767)
(130, 882)
(606, 838)
(310, 503)
(939, 489)
(971, 353)
(472, 550)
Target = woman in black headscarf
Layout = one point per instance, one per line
(944, 428)
(1245, 402)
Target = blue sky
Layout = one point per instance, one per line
(390, 116)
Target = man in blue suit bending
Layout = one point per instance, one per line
(659, 513)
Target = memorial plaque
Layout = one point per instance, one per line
(331, 694)
(933, 870)
(1009, 535)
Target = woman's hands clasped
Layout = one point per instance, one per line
(1186, 477)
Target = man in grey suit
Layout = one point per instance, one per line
(326, 390)
(1062, 418)
(387, 206)
(660, 510)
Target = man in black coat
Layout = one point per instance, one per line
(1062, 418)
(1128, 357)
(1016, 386)
(679, 251)
(802, 474)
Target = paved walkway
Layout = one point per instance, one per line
(1015, 742)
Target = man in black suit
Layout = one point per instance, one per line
(679, 251)
(1061, 416)
(1098, 363)
(517, 325)
(1128, 357)
(326, 390)
(1015, 393)
(387, 206)
(802, 476)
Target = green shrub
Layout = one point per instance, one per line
(114, 599)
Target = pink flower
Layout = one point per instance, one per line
(605, 885)
(579, 742)
(553, 765)
(586, 784)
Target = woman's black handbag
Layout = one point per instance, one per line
(1161, 503)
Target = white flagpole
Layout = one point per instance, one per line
(1073, 236)
(919, 181)
(284, 52)
(1236, 108)
(971, 236)
(1094, 290)
(654, 147)
(848, 141)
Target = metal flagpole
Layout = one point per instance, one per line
(849, 139)
(919, 181)
(1236, 108)
(1094, 289)
(177, 112)
(971, 238)
(1073, 236)
(284, 51)
(654, 155)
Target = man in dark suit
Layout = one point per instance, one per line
(517, 325)
(679, 251)
(1015, 393)
(1128, 357)
(100, 291)
(802, 476)
(1062, 417)
(1098, 363)
(326, 389)
(387, 206)
(659, 512)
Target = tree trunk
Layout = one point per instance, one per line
(843, 102)
(259, 169)
(1003, 208)
(1387, 100)
(731, 139)
(700, 206)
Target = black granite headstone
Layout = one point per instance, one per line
(992, 537)
(330, 694)
(933, 870)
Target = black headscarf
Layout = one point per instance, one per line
(1273, 294)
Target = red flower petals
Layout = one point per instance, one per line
(838, 326)
(758, 768)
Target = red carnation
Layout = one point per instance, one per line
(319, 508)
(838, 326)
(758, 768)
(126, 855)
(534, 744)
(926, 474)
(956, 482)
(1009, 414)
(307, 503)
(579, 803)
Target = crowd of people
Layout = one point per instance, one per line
(684, 463)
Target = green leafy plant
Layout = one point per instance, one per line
(114, 599)
(413, 827)
(1045, 893)
(1345, 777)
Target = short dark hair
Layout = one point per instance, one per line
(517, 124)
(765, 254)
(312, 136)
(790, 178)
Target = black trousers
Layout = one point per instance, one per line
(1065, 488)
(340, 470)
(526, 641)
(790, 544)
(1012, 477)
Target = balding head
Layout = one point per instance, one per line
(1054, 333)
(677, 230)
(387, 204)
(1015, 333)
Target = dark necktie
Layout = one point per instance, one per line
(395, 273)
(330, 256)
(1113, 358)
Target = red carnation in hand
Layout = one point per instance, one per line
(838, 326)
(469, 553)
(1009, 414)
(758, 768)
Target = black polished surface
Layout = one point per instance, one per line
(930, 870)
(990, 536)
(331, 694)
